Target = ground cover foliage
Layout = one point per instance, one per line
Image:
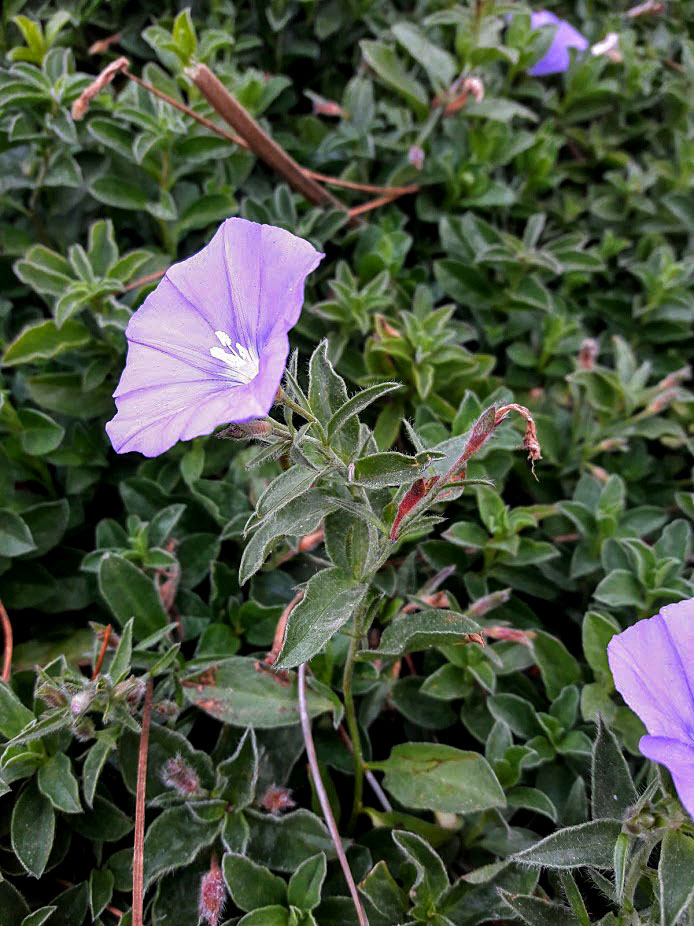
(545, 259)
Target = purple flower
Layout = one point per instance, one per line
(653, 668)
(209, 345)
(557, 59)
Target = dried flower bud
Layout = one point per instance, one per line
(177, 774)
(247, 430)
(608, 46)
(212, 894)
(51, 695)
(323, 107)
(415, 157)
(168, 709)
(511, 634)
(435, 600)
(81, 104)
(613, 444)
(80, 702)
(661, 401)
(488, 602)
(275, 800)
(131, 690)
(599, 472)
(83, 729)
(459, 92)
(102, 45)
(384, 328)
(674, 378)
(588, 354)
(412, 497)
(649, 8)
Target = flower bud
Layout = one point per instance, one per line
(177, 774)
(414, 494)
(80, 702)
(488, 602)
(275, 800)
(415, 157)
(588, 353)
(247, 430)
(212, 894)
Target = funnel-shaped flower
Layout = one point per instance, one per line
(209, 345)
(653, 668)
(557, 59)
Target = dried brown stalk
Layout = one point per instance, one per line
(102, 652)
(138, 852)
(142, 281)
(257, 138)
(323, 798)
(278, 640)
(7, 652)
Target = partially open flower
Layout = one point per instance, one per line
(209, 345)
(652, 664)
(557, 58)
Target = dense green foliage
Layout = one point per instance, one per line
(546, 259)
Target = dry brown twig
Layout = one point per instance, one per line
(138, 851)
(8, 645)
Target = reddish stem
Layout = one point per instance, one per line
(7, 633)
(102, 652)
(138, 852)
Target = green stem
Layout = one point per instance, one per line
(352, 723)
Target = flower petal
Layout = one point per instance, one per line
(170, 408)
(653, 668)
(557, 59)
(248, 281)
(678, 758)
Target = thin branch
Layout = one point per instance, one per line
(257, 138)
(187, 110)
(142, 281)
(102, 652)
(374, 204)
(363, 187)
(368, 774)
(7, 633)
(278, 639)
(138, 852)
(323, 798)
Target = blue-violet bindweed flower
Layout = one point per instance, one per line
(557, 59)
(652, 664)
(209, 345)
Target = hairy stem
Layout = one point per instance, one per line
(323, 797)
(352, 722)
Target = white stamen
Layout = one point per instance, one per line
(241, 362)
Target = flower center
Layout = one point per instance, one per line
(241, 363)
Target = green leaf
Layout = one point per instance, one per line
(381, 58)
(237, 692)
(266, 916)
(32, 829)
(431, 879)
(40, 434)
(436, 777)
(331, 598)
(93, 765)
(238, 775)
(535, 911)
(283, 843)
(413, 632)
(45, 340)
(251, 885)
(327, 394)
(557, 666)
(129, 593)
(119, 666)
(15, 536)
(357, 404)
(300, 516)
(675, 882)
(306, 883)
(38, 917)
(57, 782)
(64, 393)
(378, 470)
(185, 39)
(612, 788)
(119, 193)
(597, 631)
(174, 839)
(532, 799)
(619, 588)
(14, 716)
(440, 66)
(589, 844)
(101, 883)
(13, 907)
